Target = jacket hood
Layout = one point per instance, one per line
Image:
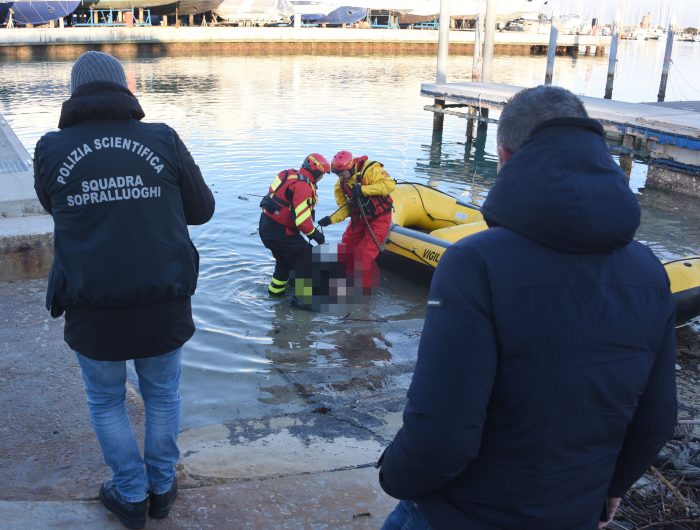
(100, 101)
(565, 191)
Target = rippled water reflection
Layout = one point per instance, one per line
(246, 118)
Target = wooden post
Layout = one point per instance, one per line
(489, 30)
(438, 119)
(667, 60)
(612, 60)
(140, 15)
(483, 125)
(190, 20)
(552, 48)
(476, 62)
(627, 157)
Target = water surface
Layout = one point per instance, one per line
(246, 118)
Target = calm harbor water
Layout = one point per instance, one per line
(246, 118)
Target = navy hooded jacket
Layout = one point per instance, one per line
(545, 375)
(121, 193)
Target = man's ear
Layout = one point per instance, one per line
(503, 156)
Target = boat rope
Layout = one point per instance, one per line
(411, 251)
(430, 216)
(369, 227)
(364, 216)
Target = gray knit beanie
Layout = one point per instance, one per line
(96, 66)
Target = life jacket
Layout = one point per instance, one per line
(372, 205)
(278, 205)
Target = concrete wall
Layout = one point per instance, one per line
(26, 232)
(663, 178)
(26, 247)
(68, 42)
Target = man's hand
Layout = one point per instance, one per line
(325, 221)
(317, 236)
(357, 191)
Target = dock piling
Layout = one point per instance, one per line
(438, 118)
(667, 60)
(612, 60)
(552, 49)
(443, 48)
(443, 41)
(626, 157)
(489, 30)
(476, 62)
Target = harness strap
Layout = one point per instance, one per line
(279, 181)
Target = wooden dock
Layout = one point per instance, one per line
(667, 134)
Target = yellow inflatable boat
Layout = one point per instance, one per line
(426, 221)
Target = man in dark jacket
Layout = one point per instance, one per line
(544, 385)
(121, 193)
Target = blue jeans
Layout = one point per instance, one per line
(406, 516)
(159, 380)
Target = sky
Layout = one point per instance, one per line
(630, 11)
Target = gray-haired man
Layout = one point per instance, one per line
(545, 381)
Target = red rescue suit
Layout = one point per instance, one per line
(358, 249)
(287, 212)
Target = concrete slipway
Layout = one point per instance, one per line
(308, 470)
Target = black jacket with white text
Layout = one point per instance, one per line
(121, 193)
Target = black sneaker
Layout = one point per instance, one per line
(131, 514)
(160, 503)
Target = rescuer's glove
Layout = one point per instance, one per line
(317, 236)
(325, 221)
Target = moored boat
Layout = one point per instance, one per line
(254, 12)
(4, 10)
(426, 221)
(39, 12)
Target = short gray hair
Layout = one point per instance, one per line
(530, 107)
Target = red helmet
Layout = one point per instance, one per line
(341, 161)
(316, 164)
